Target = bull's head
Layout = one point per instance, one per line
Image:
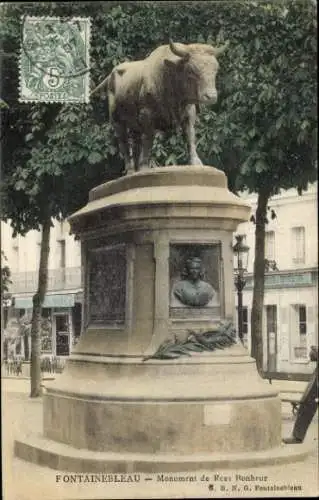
(199, 66)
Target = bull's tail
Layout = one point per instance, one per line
(109, 82)
(105, 82)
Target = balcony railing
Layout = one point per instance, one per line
(67, 278)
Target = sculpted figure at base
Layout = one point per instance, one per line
(192, 291)
(159, 93)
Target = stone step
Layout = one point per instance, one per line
(37, 449)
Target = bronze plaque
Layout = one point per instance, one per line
(107, 285)
(195, 280)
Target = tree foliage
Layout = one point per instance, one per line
(270, 105)
(5, 274)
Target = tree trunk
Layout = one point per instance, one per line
(259, 282)
(38, 299)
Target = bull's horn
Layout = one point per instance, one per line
(178, 51)
(220, 50)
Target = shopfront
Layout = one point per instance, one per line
(61, 321)
(290, 320)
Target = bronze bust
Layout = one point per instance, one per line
(192, 291)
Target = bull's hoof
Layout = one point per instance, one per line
(196, 162)
(129, 171)
(141, 168)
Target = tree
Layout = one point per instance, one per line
(5, 283)
(45, 175)
(267, 125)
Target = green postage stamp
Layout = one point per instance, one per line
(54, 59)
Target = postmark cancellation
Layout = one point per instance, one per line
(55, 59)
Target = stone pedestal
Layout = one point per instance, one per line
(140, 414)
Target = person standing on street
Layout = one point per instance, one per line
(308, 404)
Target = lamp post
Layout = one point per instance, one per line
(241, 253)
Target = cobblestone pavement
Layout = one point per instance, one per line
(25, 481)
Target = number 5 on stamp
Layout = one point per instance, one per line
(54, 59)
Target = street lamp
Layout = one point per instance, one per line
(241, 253)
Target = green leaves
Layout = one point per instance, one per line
(5, 274)
(94, 157)
(280, 122)
(29, 137)
(260, 166)
(20, 185)
(3, 104)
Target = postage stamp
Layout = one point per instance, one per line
(54, 59)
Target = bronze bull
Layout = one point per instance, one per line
(159, 93)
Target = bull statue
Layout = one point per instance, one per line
(159, 93)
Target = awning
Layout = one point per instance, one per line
(66, 300)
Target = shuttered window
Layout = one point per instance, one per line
(270, 245)
(298, 245)
(300, 342)
(302, 320)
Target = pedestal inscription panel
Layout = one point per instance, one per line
(107, 285)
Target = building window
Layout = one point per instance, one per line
(302, 320)
(298, 245)
(61, 244)
(46, 313)
(270, 245)
(271, 318)
(60, 275)
(300, 347)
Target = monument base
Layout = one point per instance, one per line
(117, 408)
(207, 412)
(36, 449)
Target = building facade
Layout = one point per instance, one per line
(290, 316)
(62, 308)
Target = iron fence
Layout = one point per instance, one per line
(13, 366)
(49, 364)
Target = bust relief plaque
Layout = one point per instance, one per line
(195, 279)
(192, 290)
(107, 285)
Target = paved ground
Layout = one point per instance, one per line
(25, 481)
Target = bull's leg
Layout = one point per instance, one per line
(124, 146)
(146, 137)
(189, 132)
(145, 149)
(136, 149)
